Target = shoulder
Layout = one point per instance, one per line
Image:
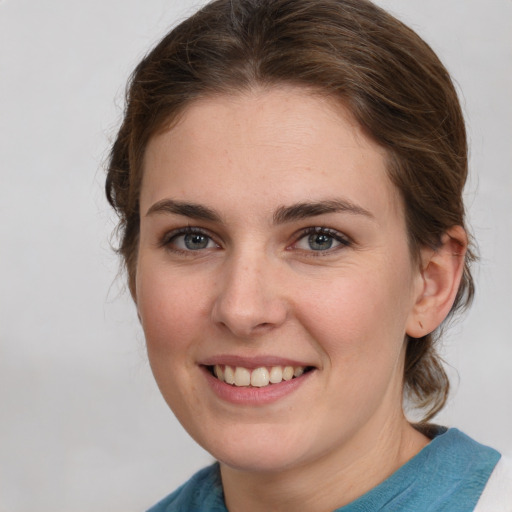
(203, 492)
(482, 472)
(448, 475)
(497, 495)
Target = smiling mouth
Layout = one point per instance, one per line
(257, 377)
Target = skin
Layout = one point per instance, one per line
(258, 289)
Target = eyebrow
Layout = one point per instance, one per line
(282, 215)
(313, 208)
(191, 210)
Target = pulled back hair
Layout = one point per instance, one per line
(383, 72)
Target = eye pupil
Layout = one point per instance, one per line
(320, 241)
(195, 241)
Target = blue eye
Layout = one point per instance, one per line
(320, 239)
(190, 240)
(196, 241)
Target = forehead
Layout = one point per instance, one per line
(284, 142)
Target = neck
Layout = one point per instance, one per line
(330, 481)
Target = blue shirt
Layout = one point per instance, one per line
(448, 475)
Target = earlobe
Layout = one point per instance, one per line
(439, 279)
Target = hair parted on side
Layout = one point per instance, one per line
(382, 71)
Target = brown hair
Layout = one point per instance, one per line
(386, 75)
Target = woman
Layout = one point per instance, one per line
(289, 180)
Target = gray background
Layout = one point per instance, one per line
(82, 426)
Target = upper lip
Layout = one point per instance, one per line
(251, 362)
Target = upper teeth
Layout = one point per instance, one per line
(259, 377)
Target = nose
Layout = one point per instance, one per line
(251, 297)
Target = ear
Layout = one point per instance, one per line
(438, 282)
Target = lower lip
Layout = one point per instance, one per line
(246, 395)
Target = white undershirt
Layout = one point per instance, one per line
(497, 495)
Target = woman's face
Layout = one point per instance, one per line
(271, 237)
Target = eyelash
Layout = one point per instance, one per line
(171, 236)
(343, 240)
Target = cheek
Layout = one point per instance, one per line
(169, 308)
(361, 335)
(360, 319)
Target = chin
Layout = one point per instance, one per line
(261, 462)
(266, 452)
